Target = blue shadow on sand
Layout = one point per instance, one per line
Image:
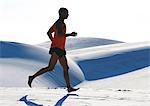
(28, 102)
(59, 103)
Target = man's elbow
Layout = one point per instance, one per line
(47, 33)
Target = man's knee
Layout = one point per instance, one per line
(66, 67)
(50, 68)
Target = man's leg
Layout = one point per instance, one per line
(50, 67)
(64, 64)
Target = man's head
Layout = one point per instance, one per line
(63, 13)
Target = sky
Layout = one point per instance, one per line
(27, 21)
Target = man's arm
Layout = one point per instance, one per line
(59, 28)
(49, 33)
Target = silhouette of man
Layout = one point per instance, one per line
(57, 49)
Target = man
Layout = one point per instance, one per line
(57, 49)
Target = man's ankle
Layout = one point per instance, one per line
(68, 86)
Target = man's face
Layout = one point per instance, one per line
(64, 15)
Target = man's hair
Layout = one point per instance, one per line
(63, 10)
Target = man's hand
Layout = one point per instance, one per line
(50, 36)
(73, 34)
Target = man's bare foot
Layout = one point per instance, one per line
(30, 79)
(70, 89)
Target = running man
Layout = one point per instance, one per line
(57, 49)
